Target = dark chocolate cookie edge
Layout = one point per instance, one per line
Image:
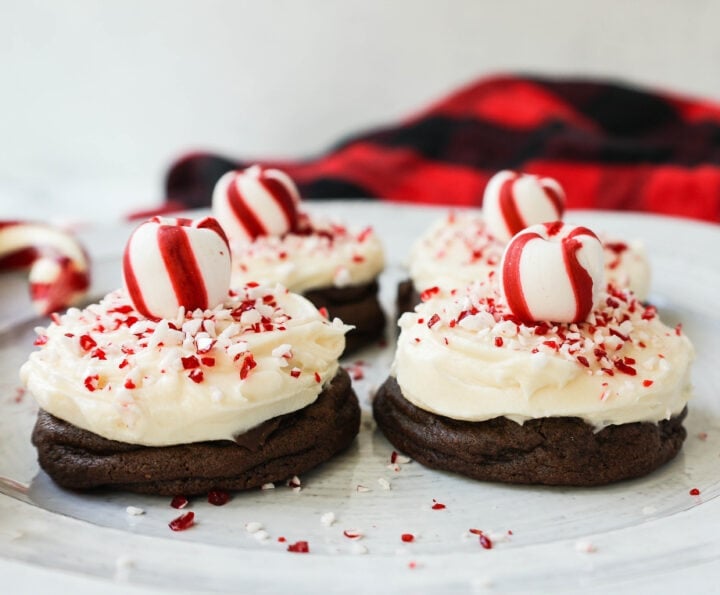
(560, 451)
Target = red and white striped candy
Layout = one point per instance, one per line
(256, 202)
(552, 272)
(59, 266)
(170, 263)
(514, 201)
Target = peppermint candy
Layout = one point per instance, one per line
(59, 267)
(170, 263)
(514, 201)
(256, 202)
(552, 272)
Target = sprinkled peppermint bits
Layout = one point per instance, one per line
(179, 502)
(299, 547)
(194, 342)
(353, 533)
(600, 344)
(182, 522)
(484, 539)
(218, 497)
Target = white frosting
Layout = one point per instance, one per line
(466, 359)
(627, 265)
(455, 251)
(328, 255)
(108, 370)
(458, 249)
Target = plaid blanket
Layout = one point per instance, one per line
(611, 147)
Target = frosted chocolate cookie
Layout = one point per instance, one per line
(175, 384)
(546, 375)
(464, 247)
(281, 447)
(273, 241)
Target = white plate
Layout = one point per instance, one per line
(647, 532)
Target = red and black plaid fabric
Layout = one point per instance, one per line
(610, 146)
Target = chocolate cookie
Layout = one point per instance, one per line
(407, 297)
(551, 451)
(357, 305)
(274, 451)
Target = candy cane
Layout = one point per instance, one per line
(514, 201)
(59, 267)
(552, 272)
(170, 263)
(256, 202)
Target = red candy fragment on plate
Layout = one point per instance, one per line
(299, 547)
(218, 497)
(182, 522)
(179, 502)
(484, 540)
(353, 533)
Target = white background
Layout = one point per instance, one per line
(97, 98)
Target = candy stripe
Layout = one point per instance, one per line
(132, 285)
(555, 197)
(243, 212)
(511, 277)
(509, 208)
(580, 280)
(19, 259)
(256, 202)
(59, 291)
(182, 267)
(582, 231)
(169, 263)
(212, 224)
(282, 196)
